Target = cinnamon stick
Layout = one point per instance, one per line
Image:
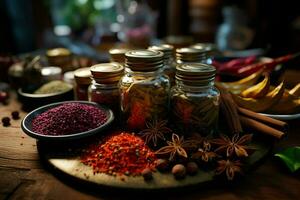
(259, 117)
(260, 127)
(230, 111)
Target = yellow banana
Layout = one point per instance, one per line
(237, 86)
(259, 90)
(296, 90)
(262, 104)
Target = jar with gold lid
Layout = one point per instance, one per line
(192, 55)
(118, 55)
(60, 57)
(104, 87)
(169, 61)
(210, 48)
(144, 89)
(83, 80)
(194, 99)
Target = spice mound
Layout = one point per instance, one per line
(53, 87)
(69, 118)
(118, 154)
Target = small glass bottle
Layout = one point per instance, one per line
(144, 89)
(194, 99)
(169, 61)
(118, 55)
(83, 80)
(210, 48)
(104, 88)
(192, 55)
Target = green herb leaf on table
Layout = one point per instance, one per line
(291, 157)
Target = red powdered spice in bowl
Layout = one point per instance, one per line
(67, 120)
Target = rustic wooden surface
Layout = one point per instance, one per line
(23, 176)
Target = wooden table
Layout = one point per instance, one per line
(22, 176)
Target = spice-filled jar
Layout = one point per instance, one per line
(104, 88)
(169, 61)
(194, 99)
(61, 57)
(210, 48)
(192, 55)
(118, 55)
(144, 89)
(83, 80)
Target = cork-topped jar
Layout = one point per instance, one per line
(104, 87)
(83, 80)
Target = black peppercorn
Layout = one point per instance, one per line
(192, 168)
(179, 171)
(15, 115)
(6, 121)
(147, 174)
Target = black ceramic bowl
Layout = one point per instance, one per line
(26, 124)
(31, 101)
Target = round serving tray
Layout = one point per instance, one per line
(63, 159)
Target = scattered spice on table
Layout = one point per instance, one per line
(15, 115)
(69, 118)
(120, 154)
(5, 121)
(53, 87)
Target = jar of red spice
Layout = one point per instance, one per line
(144, 89)
(169, 61)
(118, 55)
(83, 80)
(104, 87)
(194, 99)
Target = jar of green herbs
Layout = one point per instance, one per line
(144, 89)
(194, 99)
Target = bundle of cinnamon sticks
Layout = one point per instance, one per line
(238, 117)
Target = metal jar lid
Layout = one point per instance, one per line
(118, 54)
(165, 48)
(58, 52)
(209, 47)
(189, 54)
(195, 73)
(83, 76)
(107, 72)
(144, 60)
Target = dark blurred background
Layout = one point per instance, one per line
(33, 24)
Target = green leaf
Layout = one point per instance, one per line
(291, 157)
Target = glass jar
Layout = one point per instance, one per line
(210, 48)
(144, 89)
(118, 55)
(192, 55)
(194, 99)
(83, 80)
(169, 62)
(104, 89)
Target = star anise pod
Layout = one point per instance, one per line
(237, 145)
(230, 167)
(204, 155)
(200, 141)
(155, 130)
(176, 146)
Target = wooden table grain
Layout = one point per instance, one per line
(23, 176)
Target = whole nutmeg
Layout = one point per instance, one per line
(147, 174)
(162, 165)
(179, 171)
(192, 168)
